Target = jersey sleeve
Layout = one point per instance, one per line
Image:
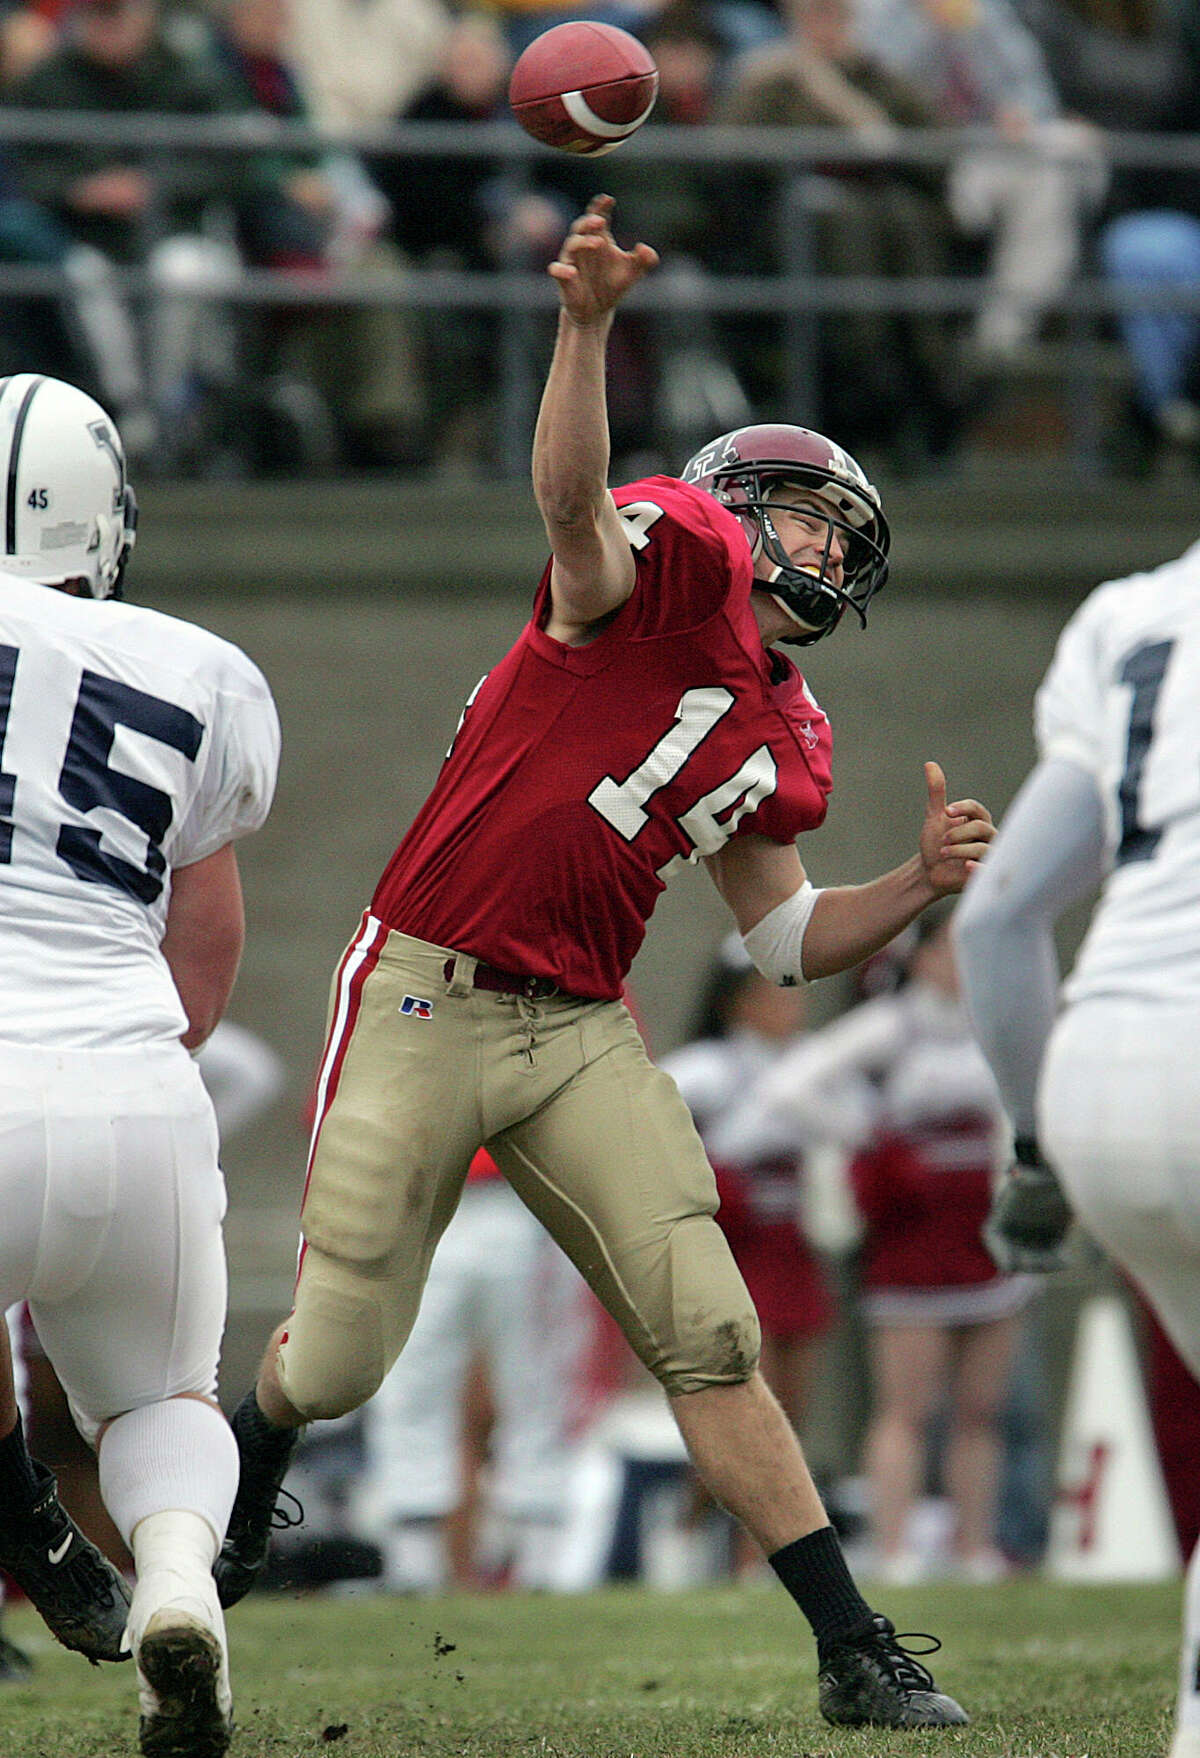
(691, 554)
(1069, 706)
(242, 765)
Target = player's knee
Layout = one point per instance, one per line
(723, 1351)
(333, 1355)
(319, 1396)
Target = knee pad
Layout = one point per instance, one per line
(333, 1355)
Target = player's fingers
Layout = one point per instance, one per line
(969, 830)
(935, 781)
(969, 809)
(964, 851)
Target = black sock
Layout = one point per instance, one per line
(260, 1437)
(814, 1572)
(20, 1483)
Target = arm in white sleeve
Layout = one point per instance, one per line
(1048, 854)
(824, 1084)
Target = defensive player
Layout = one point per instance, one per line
(1105, 1097)
(644, 720)
(134, 749)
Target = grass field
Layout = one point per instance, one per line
(1047, 1671)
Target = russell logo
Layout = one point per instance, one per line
(419, 1009)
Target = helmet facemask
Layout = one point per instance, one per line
(817, 601)
(744, 470)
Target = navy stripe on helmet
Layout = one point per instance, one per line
(14, 457)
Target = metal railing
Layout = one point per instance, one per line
(515, 295)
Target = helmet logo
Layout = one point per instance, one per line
(720, 452)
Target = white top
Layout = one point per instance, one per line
(716, 1077)
(905, 1062)
(130, 743)
(1121, 700)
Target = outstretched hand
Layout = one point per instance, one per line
(592, 271)
(954, 837)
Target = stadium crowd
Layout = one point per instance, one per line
(205, 382)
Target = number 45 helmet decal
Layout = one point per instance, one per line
(741, 468)
(68, 512)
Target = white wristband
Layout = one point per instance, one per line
(775, 943)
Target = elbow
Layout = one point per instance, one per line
(568, 515)
(203, 1016)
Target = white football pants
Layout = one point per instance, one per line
(1119, 1118)
(112, 1202)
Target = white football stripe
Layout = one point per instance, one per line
(582, 114)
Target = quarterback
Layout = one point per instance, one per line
(643, 720)
(1101, 1085)
(134, 750)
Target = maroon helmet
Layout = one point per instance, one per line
(739, 470)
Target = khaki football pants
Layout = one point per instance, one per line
(419, 1071)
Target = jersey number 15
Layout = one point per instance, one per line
(86, 781)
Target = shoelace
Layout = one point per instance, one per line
(901, 1662)
(283, 1519)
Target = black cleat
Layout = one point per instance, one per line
(265, 1455)
(869, 1680)
(81, 1596)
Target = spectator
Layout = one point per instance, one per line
(503, 1298)
(356, 361)
(135, 209)
(362, 62)
(901, 1086)
(1031, 194)
(523, 20)
(745, 1024)
(461, 213)
(1151, 239)
(891, 377)
(676, 361)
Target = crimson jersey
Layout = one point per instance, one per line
(581, 778)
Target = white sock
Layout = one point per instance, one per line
(174, 1553)
(1188, 1706)
(178, 1455)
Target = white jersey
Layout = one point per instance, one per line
(130, 744)
(1122, 700)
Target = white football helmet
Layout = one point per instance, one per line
(68, 512)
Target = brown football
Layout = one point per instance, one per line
(583, 87)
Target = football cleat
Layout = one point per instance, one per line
(255, 1511)
(183, 1680)
(869, 1680)
(82, 1598)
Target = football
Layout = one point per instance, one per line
(583, 87)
